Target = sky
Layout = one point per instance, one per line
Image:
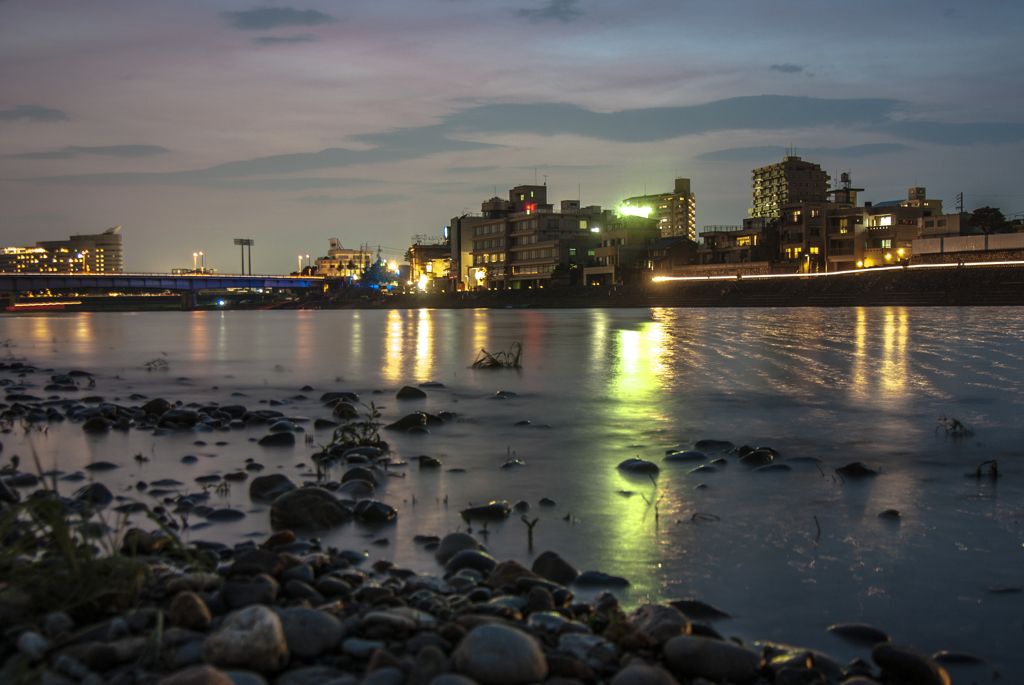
(191, 124)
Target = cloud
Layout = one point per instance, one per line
(556, 10)
(758, 112)
(994, 133)
(274, 40)
(379, 198)
(33, 113)
(787, 68)
(125, 151)
(776, 152)
(278, 184)
(472, 169)
(266, 18)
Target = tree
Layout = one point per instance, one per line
(988, 220)
(377, 274)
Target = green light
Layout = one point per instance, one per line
(626, 210)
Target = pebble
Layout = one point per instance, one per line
(659, 623)
(310, 633)
(908, 666)
(701, 657)
(33, 645)
(189, 611)
(252, 638)
(493, 654)
(198, 675)
(641, 674)
(359, 648)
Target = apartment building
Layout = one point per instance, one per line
(525, 240)
(93, 253)
(342, 262)
(620, 255)
(674, 212)
(786, 182)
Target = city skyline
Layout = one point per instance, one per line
(299, 122)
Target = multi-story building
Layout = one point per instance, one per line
(520, 243)
(99, 253)
(429, 265)
(343, 262)
(620, 256)
(791, 180)
(675, 212)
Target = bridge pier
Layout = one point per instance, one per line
(188, 301)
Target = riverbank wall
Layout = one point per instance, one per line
(953, 286)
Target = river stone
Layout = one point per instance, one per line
(695, 608)
(310, 633)
(308, 508)
(639, 466)
(198, 675)
(856, 470)
(469, 558)
(277, 440)
(252, 638)
(359, 473)
(688, 455)
(94, 493)
(454, 543)
(357, 488)
(269, 488)
(410, 393)
(373, 511)
(859, 633)
(156, 406)
(493, 654)
(452, 679)
(757, 458)
(309, 675)
(641, 674)
(552, 566)
(492, 511)
(690, 657)
(416, 420)
(242, 592)
(907, 666)
(388, 675)
(597, 578)
(508, 573)
(659, 623)
(188, 610)
(430, 663)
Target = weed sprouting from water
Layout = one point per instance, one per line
(954, 428)
(512, 358)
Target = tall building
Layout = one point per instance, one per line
(675, 212)
(98, 253)
(791, 180)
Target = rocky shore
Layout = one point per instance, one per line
(83, 602)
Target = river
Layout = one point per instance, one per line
(601, 386)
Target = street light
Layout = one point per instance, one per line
(195, 263)
(202, 259)
(309, 263)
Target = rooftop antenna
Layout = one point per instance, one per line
(545, 180)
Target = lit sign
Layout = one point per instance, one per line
(626, 210)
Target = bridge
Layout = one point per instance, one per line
(186, 284)
(29, 282)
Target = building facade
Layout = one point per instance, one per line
(620, 255)
(675, 212)
(97, 253)
(791, 180)
(342, 262)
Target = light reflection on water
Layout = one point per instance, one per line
(839, 384)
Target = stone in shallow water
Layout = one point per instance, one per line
(308, 508)
(638, 466)
(454, 543)
(859, 633)
(908, 666)
(552, 566)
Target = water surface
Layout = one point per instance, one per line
(842, 385)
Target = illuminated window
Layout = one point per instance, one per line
(814, 250)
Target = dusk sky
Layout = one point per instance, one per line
(190, 124)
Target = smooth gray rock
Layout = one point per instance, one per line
(494, 654)
(640, 674)
(907, 666)
(308, 675)
(660, 623)
(689, 656)
(385, 676)
(269, 488)
(453, 544)
(310, 633)
(33, 645)
(251, 638)
(245, 678)
(241, 592)
(359, 648)
(553, 567)
(308, 508)
(453, 679)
